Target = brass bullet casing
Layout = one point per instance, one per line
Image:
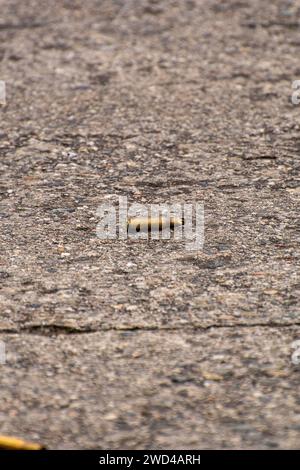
(146, 224)
(13, 443)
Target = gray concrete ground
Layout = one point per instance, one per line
(125, 344)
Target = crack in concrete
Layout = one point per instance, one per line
(58, 330)
(28, 25)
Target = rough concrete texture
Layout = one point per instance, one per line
(126, 344)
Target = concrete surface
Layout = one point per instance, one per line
(125, 344)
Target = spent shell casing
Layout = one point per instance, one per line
(14, 443)
(146, 224)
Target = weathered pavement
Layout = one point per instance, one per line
(140, 345)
